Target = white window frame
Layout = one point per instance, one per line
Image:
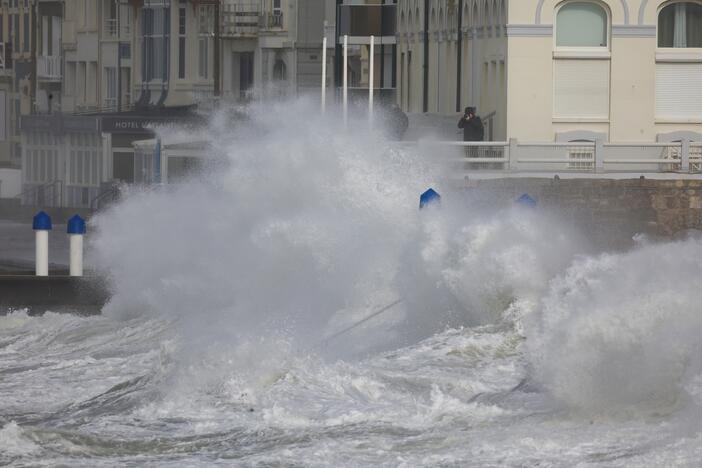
(581, 53)
(690, 50)
(674, 55)
(584, 51)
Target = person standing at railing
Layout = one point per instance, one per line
(472, 126)
(473, 130)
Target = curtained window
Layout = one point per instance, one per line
(680, 25)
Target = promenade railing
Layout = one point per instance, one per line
(571, 157)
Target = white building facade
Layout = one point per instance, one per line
(549, 70)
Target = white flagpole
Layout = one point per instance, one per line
(370, 79)
(324, 74)
(346, 80)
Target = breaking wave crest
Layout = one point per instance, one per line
(621, 330)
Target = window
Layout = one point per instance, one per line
(202, 55)
(110, 87)
(15, 32)
(581, 82)
(678, 91)
(680, 25)
(25, 30)
(205, 32)
(155, 32)
(581, 24)
(581, 88)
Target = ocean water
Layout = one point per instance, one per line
(239, 332)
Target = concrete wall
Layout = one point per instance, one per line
(609, 212)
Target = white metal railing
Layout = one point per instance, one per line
(114, 28)
(272, 20)
(111, 27)
(49, 67)
(571, 157)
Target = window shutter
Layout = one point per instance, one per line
(581, 88)
(678, 90)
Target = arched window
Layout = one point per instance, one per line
(581, 24)
(680, 25)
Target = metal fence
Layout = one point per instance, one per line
(572, 157)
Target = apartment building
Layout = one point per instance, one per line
(108, 71)
(545, 70)
(17, 73)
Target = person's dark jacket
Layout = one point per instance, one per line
(473, 129)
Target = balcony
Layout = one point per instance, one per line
(49, 68)
(272, 20)
(111, 28)
(240, 19)
(114, 29)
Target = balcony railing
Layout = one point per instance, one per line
(240, 19)
(111, 27)
(49, 67)
(272, 20)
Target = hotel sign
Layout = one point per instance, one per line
(134, 124)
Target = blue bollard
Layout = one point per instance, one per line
(526, 200)
(428, 198)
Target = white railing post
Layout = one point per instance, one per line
(346, 78)
(324, 74)
(512, 154)
(685, 155)
(599, 156)
(371, 64)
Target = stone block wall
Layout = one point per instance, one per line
(609, 211)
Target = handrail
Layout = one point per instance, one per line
(57, 193)
(94, 203)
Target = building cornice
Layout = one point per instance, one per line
(529, 30)
(633, 30)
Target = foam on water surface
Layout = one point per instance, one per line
(509, 342)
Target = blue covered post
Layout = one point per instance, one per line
(428, 198)
(526, 200)
(41, 225)
(76, 230)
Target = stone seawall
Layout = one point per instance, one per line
(609, 211)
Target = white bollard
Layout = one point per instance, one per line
(41, 225)
(76, 230)
(76, 266)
